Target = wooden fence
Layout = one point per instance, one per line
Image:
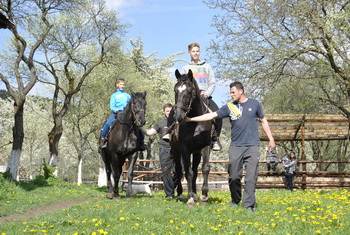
(287, 127)
(218, 179)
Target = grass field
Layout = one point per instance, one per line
(278, 212)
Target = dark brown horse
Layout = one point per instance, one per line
(190, 137)
(124, 142)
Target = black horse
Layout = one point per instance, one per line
(124, 142)
(190, 137)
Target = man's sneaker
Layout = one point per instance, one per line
(234, 205)
(166, 137)
(250, 209)
(216, 146)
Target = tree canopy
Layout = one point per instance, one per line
(263, 43)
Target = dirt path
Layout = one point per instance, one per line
(42, 210)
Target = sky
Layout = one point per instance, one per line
(166, 27)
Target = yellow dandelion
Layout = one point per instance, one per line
(122, 218)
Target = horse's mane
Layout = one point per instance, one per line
(128, 106)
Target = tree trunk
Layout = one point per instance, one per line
(18, 137)
(80, 170)
(102, 177)
(54, 139)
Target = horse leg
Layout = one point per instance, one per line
(189, 176)
(107, 160)
(205, 170)
(178, 175)
(132, 161)
(195, 162)
(117, 166)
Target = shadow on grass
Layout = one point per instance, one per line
(7, 181)
(40, 181)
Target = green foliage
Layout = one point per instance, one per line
(48, 170)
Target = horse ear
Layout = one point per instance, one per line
(190, 75)
(177, 74)
(144, 94)
(132, 93)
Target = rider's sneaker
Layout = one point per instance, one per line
(104, 143)
(216, 146)
(166, 137)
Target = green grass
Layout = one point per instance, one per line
(278, 212)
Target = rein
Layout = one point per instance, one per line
(208, 110)
(184, 108)
(122, 121)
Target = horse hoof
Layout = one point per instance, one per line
(117, 198)
(109, 195)
(191, 202)
(204, 198)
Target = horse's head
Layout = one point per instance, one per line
(185, 91)
(138, 108)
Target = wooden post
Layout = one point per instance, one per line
(303, 157)
(125, 170)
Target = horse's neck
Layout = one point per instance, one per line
(197, 107)
(126, 115)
